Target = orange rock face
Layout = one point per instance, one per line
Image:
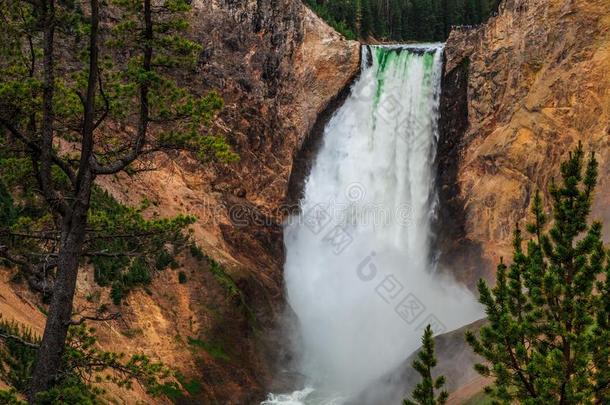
(277, 66)
(537, 83)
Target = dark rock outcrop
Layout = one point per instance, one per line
(459, 255)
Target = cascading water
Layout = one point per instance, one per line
(359, 271)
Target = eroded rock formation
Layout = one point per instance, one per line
(536, 81)
(277, 66)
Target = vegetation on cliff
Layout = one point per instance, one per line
(402, 20)
(69, 72)
(549, 312)
(83, 364)
(425, 391)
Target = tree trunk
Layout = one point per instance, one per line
(48, 363)
(73, 230)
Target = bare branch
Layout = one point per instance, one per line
(37, 276)
(18, 339)
(81, 97)
(96, 318)
(142, 170)
(85, 176)
(103, 253)
(55, 199)
(144, 118)
(106, 102)
(65, 167)
(120, 235)
(30, 236)
(4, 254)
(121, 163)
(43, 170)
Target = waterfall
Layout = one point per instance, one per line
(359, 271)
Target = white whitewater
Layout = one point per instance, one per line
(359, 271)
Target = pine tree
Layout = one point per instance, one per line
(548, 332)
(423, 20)
(366, 19)
(70, 71)
(424, 392)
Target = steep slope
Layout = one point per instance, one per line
(277, 67)
(455, 362)
(534, 82)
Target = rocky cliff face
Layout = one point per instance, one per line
(277, 66)
(535, 82)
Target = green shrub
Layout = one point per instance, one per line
(117, 293)
(196, 252)
(231, 288)
(17, 356)
(83, 365)
(151, 245)
(9, 397)
(339, 25)
(193, 387)
(8, 211)
(225, 280)
(72, 391)
(214, 349)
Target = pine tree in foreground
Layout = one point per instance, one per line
(91, 89)
(424, 392)
(548, 333)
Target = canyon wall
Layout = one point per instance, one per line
(278, 67)
(519, 93)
